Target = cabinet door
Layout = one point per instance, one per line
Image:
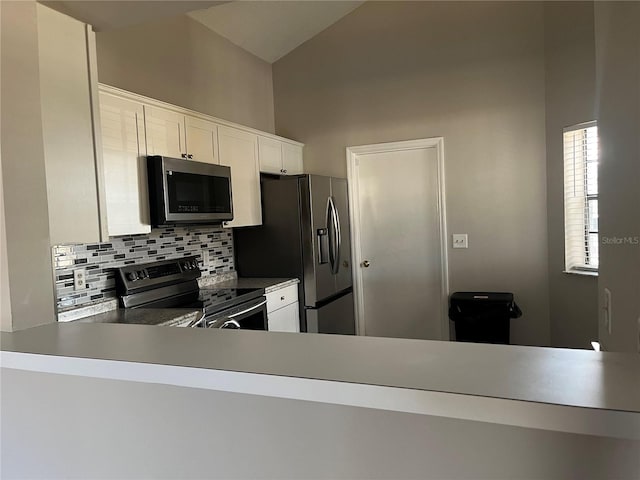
(125, 172)
(270, 154)
(202, 140)
(165, 132)
(239, 150)
(286, 319)
(67, 135)
(292, 159)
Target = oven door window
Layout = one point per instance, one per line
(192, 193)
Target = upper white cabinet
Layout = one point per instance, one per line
(67, 133)
(292, 159)
(133, 126)
(202, 140)
(165, 131)
(125, 172)
(278, 157)
(239, 150)
(174, 134)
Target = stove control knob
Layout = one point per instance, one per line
(142, 274)
(132, 276)
(186, 265)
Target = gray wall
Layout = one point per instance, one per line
(27, 265)
(179, 61)
(470, 72)
(618, 95)
(570, 78)
(56, 426)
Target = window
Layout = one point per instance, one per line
(581, 198)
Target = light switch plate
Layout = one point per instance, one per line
(460, 240)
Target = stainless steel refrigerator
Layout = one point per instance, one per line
(305, 234)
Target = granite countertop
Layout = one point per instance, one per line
(269, 284)
(143, 316)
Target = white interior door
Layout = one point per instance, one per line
(399, 239)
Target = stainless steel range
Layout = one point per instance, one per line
(174, 284)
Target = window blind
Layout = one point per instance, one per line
(581, 197)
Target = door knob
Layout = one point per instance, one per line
(366, 264)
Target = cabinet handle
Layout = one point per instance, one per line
(184, 155)
(284, 171)
(282, 298)
(190, 156)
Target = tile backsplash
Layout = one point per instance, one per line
(100, 259)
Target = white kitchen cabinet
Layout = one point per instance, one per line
(292, 163)
(270, 152)
(173, 134)
(239, 150)
(283, 310)
(67, 133)
(279, 157)
(202, 140)
(165, 132)
(125, 172)
(285, 319)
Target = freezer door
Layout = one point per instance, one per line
(341, 202)
(319, 281)
(335, 317)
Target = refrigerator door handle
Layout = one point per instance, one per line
(334, 237)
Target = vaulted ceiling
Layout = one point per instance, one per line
(268, 29)
(271, 29)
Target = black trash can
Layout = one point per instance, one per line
(483, 317)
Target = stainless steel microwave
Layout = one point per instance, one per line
(184, 191)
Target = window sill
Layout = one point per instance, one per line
(584, 273)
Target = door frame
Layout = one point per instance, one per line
(354, 212)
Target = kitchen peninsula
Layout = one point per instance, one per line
(254, 376)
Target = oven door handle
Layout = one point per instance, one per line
(250, 309)
(230, 324)
(197, 321)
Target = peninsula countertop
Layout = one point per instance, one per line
(576, 391)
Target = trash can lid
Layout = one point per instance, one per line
(489, 297)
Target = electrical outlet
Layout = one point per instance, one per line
(205, 257)
(79, 279)
(460, 240)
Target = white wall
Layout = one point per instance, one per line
(618, 104)
(570, 78)
(56, 426)
(24, 189)
(180, 61)
(470, 72)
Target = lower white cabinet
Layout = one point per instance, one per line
(282, 309)
(285, 319)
